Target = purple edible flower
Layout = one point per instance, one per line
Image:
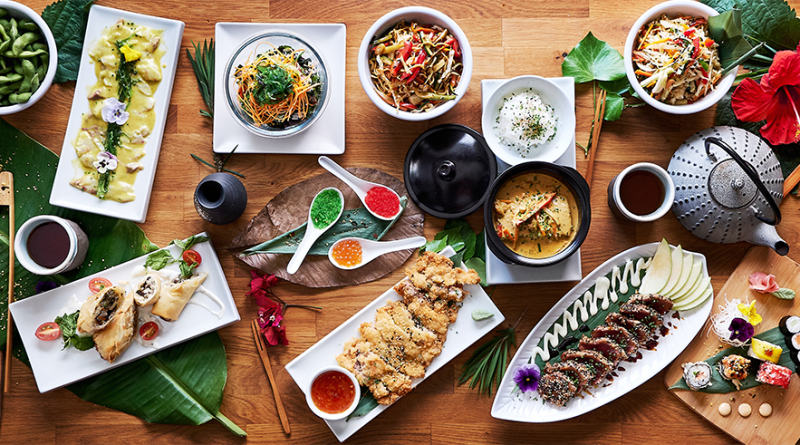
(527, 377)
(105, 162)
(114, 111)
(741, 329)
(43, 286)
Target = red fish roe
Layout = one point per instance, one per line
(382, 201)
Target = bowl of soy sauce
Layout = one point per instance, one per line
(47, 245)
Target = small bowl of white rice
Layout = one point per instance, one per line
(528, 118)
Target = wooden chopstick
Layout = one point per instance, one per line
(597, 124)
(7, 180)
(262, 351)
(791, 182)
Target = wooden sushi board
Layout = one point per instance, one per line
(782, 427)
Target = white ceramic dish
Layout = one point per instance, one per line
(551, 94)
(78, 245)
(423, 16)
(672, 8)
(63, 194)
(358, 185)
(343, 414)
(523, 408)
(18, 11)
(373, 249)
(498, 272)
(54, 368)
(615, 200)
(461, 335)
(326, 136)
(312, 233)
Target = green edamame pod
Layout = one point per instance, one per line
(5, 69)
(14, 33)
(35, 83)
(3, 33)
(17, 67)
(28, 25)
(15, 98)
(3, 12)
(29, 54)
(5, 45)
(41, 70)
(10, 88)
(10, 78)
(28, 68)
(39, 45)
(23, 41)
(26, 85)
(5, 24)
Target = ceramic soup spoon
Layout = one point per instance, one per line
(359, 186)
(373, 249)
(313, 232)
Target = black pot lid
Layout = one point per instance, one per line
(449, 170)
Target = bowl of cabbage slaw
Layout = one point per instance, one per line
(415, 63)
(670, 60)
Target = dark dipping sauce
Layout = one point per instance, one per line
(48, 244)
(641, 192)
(333, 392)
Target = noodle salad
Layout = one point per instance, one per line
(415, 68)
(280, 88)
(677, 63)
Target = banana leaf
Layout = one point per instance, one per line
(357, 222)
(722, 386)
(183, 384)
(726, 29)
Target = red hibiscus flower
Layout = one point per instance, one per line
(761, 282)
(776, 99)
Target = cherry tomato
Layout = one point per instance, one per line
(48, 331)
(98, 284)
(191, 256)
(148, 331)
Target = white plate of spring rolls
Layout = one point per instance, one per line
(207, 309)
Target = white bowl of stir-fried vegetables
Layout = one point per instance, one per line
(277, 84)
(671, 61)
(415, 63)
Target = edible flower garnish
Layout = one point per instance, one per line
(270, 312)
(761, 282)
(114, 111)
(776, 99)
(130, 53)
(750, 313)
(741, 330)
(105, 162)
(527, 377)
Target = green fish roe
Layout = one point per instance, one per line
(325, 208)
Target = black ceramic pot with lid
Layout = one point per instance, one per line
(448, 171)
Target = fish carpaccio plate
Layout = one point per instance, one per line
(511, 404)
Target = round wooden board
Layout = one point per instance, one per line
(289, 209)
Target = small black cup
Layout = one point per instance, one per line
(220, 198)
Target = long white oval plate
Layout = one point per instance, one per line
(54, 368)
(461, 335)
(63, 194)
(523, 408)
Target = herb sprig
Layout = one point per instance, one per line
(203, 66)
(68, 324)
(162, 258)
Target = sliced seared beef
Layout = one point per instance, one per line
(633, 326)
(577, 372)
(662, 305)
(645, 314)
(609, 348)
(557, 388)
(597, 364)
(620, 335)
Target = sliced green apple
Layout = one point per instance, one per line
(675, 273)
(686, 270)
(697, 289)
(700, 299)
(694, 278)
(659, 271)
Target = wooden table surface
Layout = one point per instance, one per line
(509, 38)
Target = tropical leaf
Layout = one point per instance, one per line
(770, 21)
(726, 29)
(722, 386)
(593, 59)
(67, 20)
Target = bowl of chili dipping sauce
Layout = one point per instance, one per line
(333, 393)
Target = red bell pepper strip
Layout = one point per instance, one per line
(708, 43)
(405, 106)
(454, 43)
(405, 51)
(689, 32)
(420, 59)
(696, 43)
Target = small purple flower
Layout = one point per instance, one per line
(105, 162)
(114, 111)
(741, 329)
(527, 377)
(44, 286)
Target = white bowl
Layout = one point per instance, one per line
(19, 11)
(552, 95)
(672, 8)
(423, 16)
(343, 414)
(615, 200)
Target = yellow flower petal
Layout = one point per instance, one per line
(130, 53)
(750, 312)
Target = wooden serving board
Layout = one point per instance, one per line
(782, 427)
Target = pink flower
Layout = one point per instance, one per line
(761, 282)
(260, 284)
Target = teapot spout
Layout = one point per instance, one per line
(766, 235)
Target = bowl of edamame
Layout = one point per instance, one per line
(28, 57)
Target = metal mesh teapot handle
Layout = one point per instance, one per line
(752, 173)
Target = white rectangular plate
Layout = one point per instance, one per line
(54, 368)
(63, 194)
(462, 334)
(523, 408)
(326, 136)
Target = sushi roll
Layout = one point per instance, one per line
(796, 359)
(766, 351)
(773, 374)
(794, 342)
(734, 368)
(697, 375)
(790, 325)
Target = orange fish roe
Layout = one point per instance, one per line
(347, 253)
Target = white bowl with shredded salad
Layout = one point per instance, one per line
(528, 118)
(712, 92)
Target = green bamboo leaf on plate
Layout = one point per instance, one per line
(722, 386)
(593, 59)
(366, 404)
